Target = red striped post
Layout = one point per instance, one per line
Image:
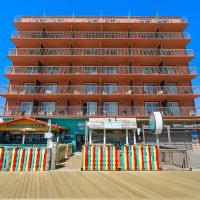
(45, 160)
(1, 158)
(37, 159)
(15, 158)
(150, 162)
(30, 159)
(94, 157)
(108, 149)
(116, 158)
(86, 158)
(157, 158)
(127, 158)
(22, 160)
(101, 163)
(135, 160)
(142, 151)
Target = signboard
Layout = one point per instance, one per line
(112, 123)
(156, 123)
(48, 135)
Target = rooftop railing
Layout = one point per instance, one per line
(104, 35)
(94, 19)
(88, 89)
(65, 111)
(99, 52)
(140, 70)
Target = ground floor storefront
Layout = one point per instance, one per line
(174, 133)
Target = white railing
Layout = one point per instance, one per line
(104, 35)
(92, 70)
(99, 52)
(64, 111)
(105, 19)
(100, 90)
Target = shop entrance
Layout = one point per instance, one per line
(80, 141)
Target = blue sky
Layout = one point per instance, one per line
(11, 8)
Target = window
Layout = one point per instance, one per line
(50, 88)
(168, 70)
(171, 88)
(173, 108)
(48, 108)
(26, 108)
(110, 88)
(110, 108)
(151, 107)
(90, 70)
(109, 70)
(51, 70)
(90, 88)
(150, 88)
(31, 70)
(29, 88)
(149, 70)
(90, 108)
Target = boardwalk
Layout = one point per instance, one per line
(100, 185)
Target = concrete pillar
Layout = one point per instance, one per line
(143, 135)
(104, 136)
(169, 135)
(23, 138)
(86, 134)
(90, 137)
(134, 136)
(127, 137)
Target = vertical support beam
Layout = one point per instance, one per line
(23, 138)
(169, 135)
(90, 137)
(104, 136)
(134, 136)
(144, 141)
(127, 137)
(86, 133)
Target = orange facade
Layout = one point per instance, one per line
(100, 66)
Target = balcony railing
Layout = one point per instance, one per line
(139, 70)
(105, 19)
(104, 35)
(99, 52)
(100, 90)
(65, 111)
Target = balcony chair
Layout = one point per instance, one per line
(41, 113)
(192, 113)
(80, 113)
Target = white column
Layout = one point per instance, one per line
(143, 135)
(169, 135)
(23, 138)
(90, 137)
(126, 136)
(104, 136)
(134, 136)
(86, 134)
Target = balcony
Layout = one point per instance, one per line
(82, 19)
(99, 35)
(99, 90)
(99, 52)
(80, 111)
(108, 70)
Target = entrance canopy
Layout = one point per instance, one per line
(28, 124)
(112, 123)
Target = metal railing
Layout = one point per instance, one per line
(100, 90)
(140, 70)
(104, 35)
(104, 19)
(64, 111)
(175, 159)
(99, 52)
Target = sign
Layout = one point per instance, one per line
(48, 135)
(112, 123)
(156, 123)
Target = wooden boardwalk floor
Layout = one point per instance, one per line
(100, 185)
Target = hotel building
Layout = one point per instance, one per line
(71, 69)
